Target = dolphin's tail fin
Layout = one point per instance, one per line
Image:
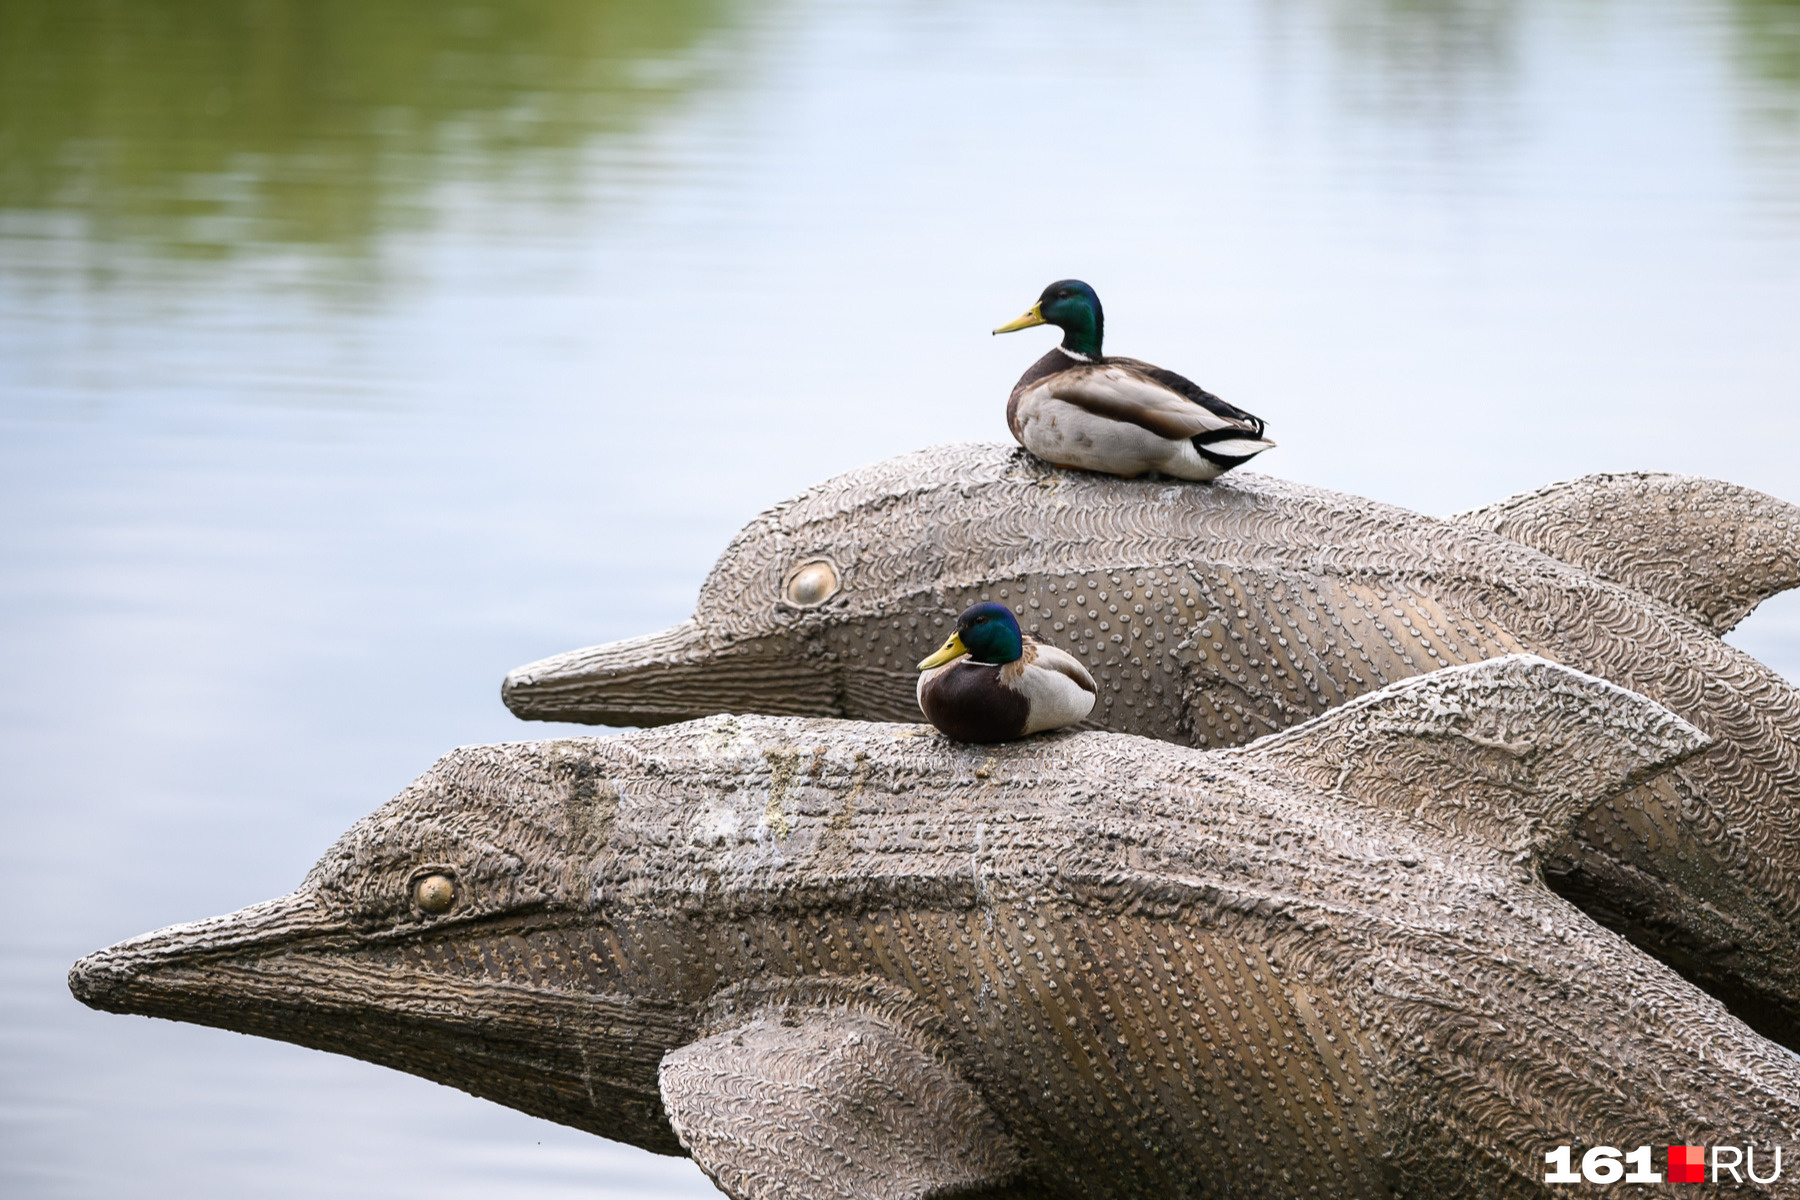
(1712, 549)
(1510, 752)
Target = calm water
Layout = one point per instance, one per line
(351, 354)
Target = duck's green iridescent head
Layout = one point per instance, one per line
(987, 633)
(1073, 307)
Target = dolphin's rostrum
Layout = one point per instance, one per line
(831, 958)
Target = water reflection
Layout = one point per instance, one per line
(1430, 52)
(1435, 82)
(1768, 49)
(200, 127)
(1450, 68)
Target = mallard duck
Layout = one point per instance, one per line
(1077, 408)
(991, 683)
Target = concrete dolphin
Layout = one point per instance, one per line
(832, 958)
(1211, 615)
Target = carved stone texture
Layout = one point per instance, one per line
(1712, 549)
(858, 959)
(822, 1100)
(1213, 614)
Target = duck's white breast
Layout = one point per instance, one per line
(1070, 436)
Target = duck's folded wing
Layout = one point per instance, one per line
(1064, 663)
(1124, 393)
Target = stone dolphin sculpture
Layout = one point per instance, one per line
(1211, 615)
(839, 959)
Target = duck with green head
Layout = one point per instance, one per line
(991, 683)
(1078, 408)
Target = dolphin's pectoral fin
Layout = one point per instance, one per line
(1510, 752)
(1712, 549)
(799, 1103)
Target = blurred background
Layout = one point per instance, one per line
(352, 353)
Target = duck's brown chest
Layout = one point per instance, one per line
(968, 702)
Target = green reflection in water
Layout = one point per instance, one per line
(200, 127)
(1769, 46)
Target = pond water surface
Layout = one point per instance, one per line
(351, 354)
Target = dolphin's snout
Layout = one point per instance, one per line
(147, 974)
(676, 675)
(633, 682)
(97, 979)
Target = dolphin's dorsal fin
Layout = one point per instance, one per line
(1510, 752)
(802, 1103)
(1712, 549)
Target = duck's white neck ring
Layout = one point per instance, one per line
(1075, 354)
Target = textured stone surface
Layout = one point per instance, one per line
(1213, 614)
(829, 1098)
(848, 958)
(1712, 549)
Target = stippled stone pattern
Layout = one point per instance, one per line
(1213, 614)
(1297, 969)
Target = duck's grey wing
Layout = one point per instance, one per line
(1193, 391)
(804, 1104)
(1122, 390)
(1064, 663)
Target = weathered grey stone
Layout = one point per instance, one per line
(1213, 614)
(1711, 549)
(839, 959)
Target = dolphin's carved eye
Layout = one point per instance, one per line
(435, 893)
(811, 583)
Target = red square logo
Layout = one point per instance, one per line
(1687, 1164)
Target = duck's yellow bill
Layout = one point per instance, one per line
(1033, 316)
(951, 649)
